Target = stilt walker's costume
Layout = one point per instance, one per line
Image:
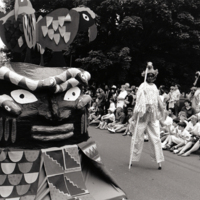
(149, 107)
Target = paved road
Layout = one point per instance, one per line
(179, 178)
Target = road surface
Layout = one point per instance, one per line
(179, 178)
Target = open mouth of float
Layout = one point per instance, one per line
(52, 133)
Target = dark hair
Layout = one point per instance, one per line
(176, 120)
(130, 109)
(112, 99)
(188, 101)
(182, 124)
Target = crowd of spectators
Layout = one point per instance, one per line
(112, 109)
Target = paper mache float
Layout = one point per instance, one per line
(45, 150)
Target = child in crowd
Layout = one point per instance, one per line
(92, 110)
(182, 137)
(105, 119)
(121, 127)
(165, 124)
(95, 119)
(194, 130)
(172, 130)
(119, 119)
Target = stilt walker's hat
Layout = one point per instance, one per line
(151, 70)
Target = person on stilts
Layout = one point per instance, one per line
(147, 113)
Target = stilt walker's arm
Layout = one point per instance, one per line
(135, 131)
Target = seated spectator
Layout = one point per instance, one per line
(101, 99)
(92, 110)
(171, 114)
(165, 124)
(187, 108)
(97, 117)
(195, 138)
(105, 119)
(173, 130)
(129, 124)
(119, 128)
(182, 117)
(120, 118)
(182, 137)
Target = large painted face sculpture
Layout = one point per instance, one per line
(42, 107)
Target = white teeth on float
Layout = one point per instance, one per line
(67, 37)
(68, 18)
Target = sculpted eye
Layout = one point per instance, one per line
(23, 96)
(83, 76)
(85, 17)
(72, 94)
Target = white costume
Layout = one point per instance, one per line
(149, 106)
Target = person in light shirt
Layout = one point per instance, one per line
(173, 131)
(182, 137)
(194, 142)
(148, 111)
(165, 124)
(121, 97)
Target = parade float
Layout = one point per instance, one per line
(46, 152)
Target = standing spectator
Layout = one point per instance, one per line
(107, 91)
(128, 100)
(174, 96)
(177, 99)
(163, 95)
(112, 104)
(188, 108)
(133, 93)
(113, 93)
(121, 97)
(192, 98)
(93, 89)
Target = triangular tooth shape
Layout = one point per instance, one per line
(62, 31)
(50, 33)
(44, 30)
(55, 25)
(49, 20)
(68, 18)
(67, 37)
(56, 38)
(61, 20)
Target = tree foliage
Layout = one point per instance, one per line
(133, 32)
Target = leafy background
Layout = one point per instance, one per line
(131, 33)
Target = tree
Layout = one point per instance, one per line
(133, 32)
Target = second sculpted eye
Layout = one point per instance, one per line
(72, 94)
(86, 17)
(23, 96)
